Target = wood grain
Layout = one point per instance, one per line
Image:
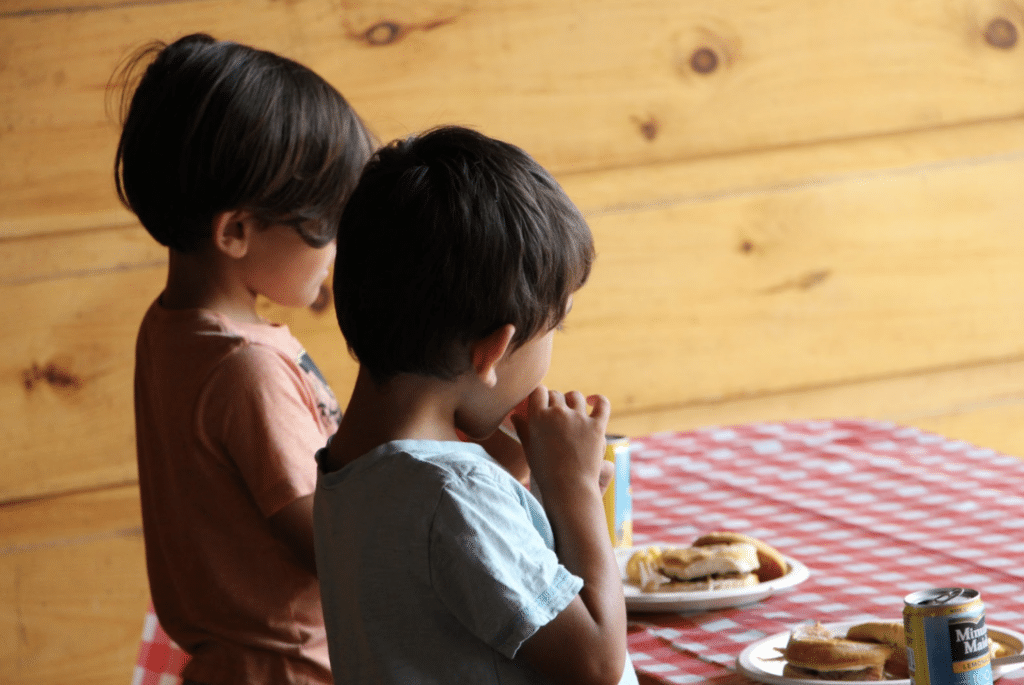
(73, 591)
(823, 283)
(610, 87)
(982, 404)
(23, 9)
(78, 254)
(716, 285)
(67, 374)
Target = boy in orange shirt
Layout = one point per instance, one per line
(239, 161)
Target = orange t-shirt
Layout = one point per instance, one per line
(228, 418)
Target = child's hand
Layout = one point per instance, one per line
(564, 444)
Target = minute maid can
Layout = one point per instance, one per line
(947, 642)
(618, 498)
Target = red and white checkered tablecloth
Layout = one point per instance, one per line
(874, 509)
(160, 660)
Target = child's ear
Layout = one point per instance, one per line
(487, 351)
(232, 230)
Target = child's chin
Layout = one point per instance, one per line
(474, 434)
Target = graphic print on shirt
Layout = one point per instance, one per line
(326, 402)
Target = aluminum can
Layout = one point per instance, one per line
(947, 642)
(618, 498)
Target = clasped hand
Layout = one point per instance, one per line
(563, 437)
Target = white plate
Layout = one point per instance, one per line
(638, 600)
(759, 661)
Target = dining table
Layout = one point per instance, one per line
(870, 510)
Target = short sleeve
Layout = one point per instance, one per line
(491, 567)
(259, 410)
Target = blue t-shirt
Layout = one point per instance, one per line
(435, 566)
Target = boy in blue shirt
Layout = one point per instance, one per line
(458, 256)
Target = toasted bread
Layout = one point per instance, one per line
(814, 653)
(729, 581)
(687, 563)
(772, 564)
(873, 672)
(889, 633)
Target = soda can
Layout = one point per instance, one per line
(618, 498)
(947, 642)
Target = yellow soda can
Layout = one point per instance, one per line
(618, 498)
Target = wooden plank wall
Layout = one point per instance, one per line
(802, 209)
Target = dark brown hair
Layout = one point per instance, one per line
(215, 126)
(447, 237)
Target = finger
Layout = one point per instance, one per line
(555, 399)
(575, 399)
(602, 407)
(519, 425)
(538, 399)
(519, 416)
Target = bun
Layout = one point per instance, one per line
(687, 563)
(772, 564)
(814, 653)
(858, 674)
(888, 633)
(730, 581)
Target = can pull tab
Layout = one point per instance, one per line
(945, 596)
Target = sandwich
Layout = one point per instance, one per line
(771, 564)
(692, 569)
(715, 561)
(711, 567)
(813, 653)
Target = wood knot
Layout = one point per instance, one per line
(648, 127)
(383, 33)
(803, 282)
(704, 60)
(52, 374)
(1001, 33)
(322, 301)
